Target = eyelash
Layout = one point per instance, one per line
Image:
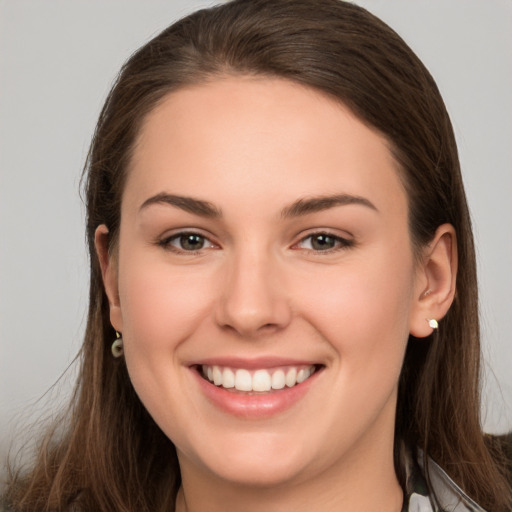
(166, 243)
(339, 242)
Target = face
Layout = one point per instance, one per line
(264, 281)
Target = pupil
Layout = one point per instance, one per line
(191, 242)
(322, 242)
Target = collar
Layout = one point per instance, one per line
(440, 494)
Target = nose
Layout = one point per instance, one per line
(253, 298)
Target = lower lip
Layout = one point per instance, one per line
(257, 406)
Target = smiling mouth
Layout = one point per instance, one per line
(259, 380)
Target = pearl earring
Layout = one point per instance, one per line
(432, 322)
(117, 346)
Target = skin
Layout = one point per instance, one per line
(258, 287)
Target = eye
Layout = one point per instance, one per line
(187, 242)
(323, 242)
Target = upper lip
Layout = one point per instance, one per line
(253, 363)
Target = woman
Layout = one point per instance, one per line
(278, 231)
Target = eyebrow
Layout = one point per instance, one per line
(317, 204)
(189, 204)
(299, 208)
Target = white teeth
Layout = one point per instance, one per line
(291, 377)
(228, 378)
(217, 376)
(261, 381)
(278, 380)
(243, 380)
(258, 380)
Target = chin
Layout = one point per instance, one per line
(271, 473)
(256, 461)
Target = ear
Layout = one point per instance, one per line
(435, 281)
(108, 266)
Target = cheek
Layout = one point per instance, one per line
(160, 307)
(362, 309)
(161, 310)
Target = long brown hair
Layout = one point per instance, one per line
(112, 455)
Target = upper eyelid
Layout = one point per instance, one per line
(345, 235)
(185, 231)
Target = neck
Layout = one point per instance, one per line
(359, 482)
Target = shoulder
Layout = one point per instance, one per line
(501, 447)
(505, 442)
(448, 495)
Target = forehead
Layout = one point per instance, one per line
(243, 136)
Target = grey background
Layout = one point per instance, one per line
(57, 61)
